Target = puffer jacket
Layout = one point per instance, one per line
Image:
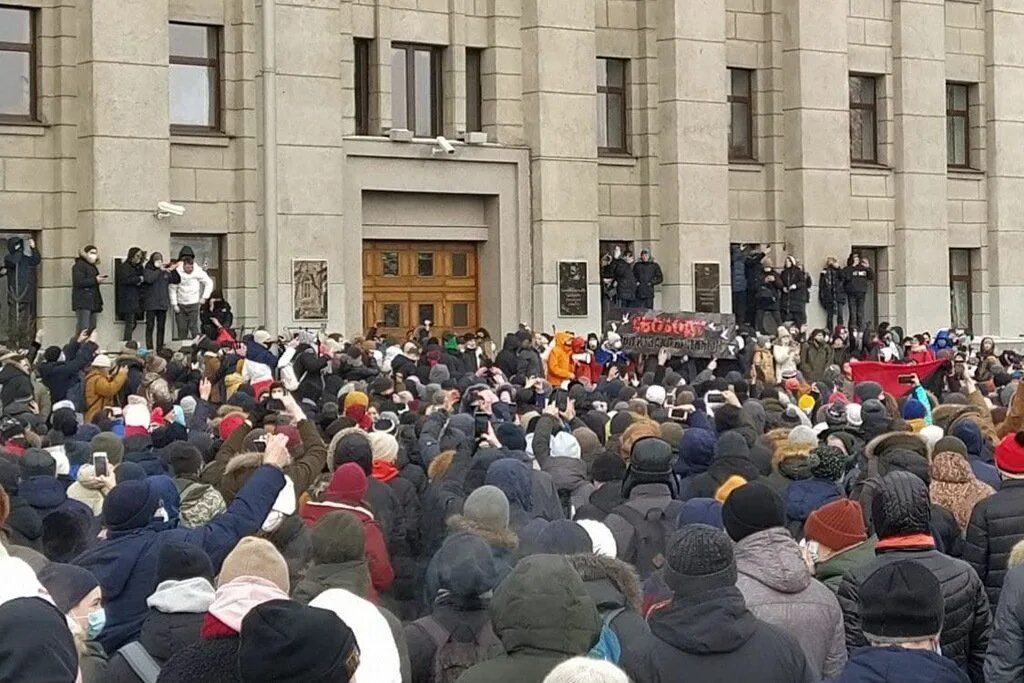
(1005, 661)
(997, 524)
(894, 664)
(779, 589)
(955, 487)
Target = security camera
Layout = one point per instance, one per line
(445, 146)
(165, 209)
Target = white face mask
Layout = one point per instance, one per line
(92, 257)
(158, 264)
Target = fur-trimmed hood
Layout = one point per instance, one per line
(504, 539)
(794, 461)
(334, 444)
(242, 461)
(1016, 556)
(621, 577)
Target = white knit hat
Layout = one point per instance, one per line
(600, 536)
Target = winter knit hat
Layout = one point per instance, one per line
(950, 444)
(36, 462)
(914, 410)
(229, 424)
(563, 537)
(900, 602)
(284, 641)
(854, 416)
(488, 507)
(620, 421)
(67, 584)
(802, 435)
(931, 435)
(752, 508)
(178, 561)
(601, 537)
(656, 395)
(831, 463)
(107, 442)
(348, 484)
(565, 445)
(384, 447)
(510, 436)
(67, 533)
(255, 557)
(130, 505)
(865, 391)
(699, 558)
(438, 374)
(136, 415)
(836, 525)
(586, 670)
(707, 511)
(1010, 453)
(466, 566)
(338, 537)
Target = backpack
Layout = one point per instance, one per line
(199, 503)
(608, 648)
(140, 662)
(650, 532)
(452, 658)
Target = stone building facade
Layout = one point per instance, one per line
(681, 126)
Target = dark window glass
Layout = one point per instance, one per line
(391, 315)
(863, 119)
(426, 312)
(958, 125)
(741, 114)
(194, 78)
(17, 64)
(460, 315)
(611, 106)
(961, 288)
(474, 90)
(425, 264)
(416, 89)
(460, 264)
(389, 263)
(362, 83)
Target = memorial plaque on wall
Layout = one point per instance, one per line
(706, 290)
(572, 289)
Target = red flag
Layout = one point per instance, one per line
(888, 374)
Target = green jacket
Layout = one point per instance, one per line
(831, 571)
(543, 615)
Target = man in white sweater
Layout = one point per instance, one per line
(189, 294)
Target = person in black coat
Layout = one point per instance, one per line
(832, 292)
(705, 629)
(901, 513)
(128, 283)
(215, 315)
(60, 370)
(156, 299)
(20, 265)
(753, 273)
(858, 277)
(86, 299)
(621, 273)
(648, 276)
(768, 300)
(796, 292)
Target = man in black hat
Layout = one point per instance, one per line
(901, 613)
(705, 632)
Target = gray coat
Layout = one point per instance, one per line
(1004, 661)
(779, 589)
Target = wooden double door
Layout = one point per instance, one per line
(406, 283)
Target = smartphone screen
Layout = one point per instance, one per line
(99, 462)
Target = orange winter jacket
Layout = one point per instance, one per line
(560, 359)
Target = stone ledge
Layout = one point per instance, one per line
(27, 128)
(201, 140)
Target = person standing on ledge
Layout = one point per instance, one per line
(86, 299)
(189, 294)
(648, 276)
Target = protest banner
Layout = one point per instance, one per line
(699, 335)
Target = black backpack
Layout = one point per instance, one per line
(451, 657)
(651, 531)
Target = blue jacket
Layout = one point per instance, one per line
(896, 665)
(60, 376)
(804, 496)
(48, 494)
(125, 563)
(737, 269)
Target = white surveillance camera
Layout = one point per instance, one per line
(165, 209)
(446, 147)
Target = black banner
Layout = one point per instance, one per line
(699, 335)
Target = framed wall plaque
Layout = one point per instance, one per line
(309, 289)
(573, 301)
(707, 294)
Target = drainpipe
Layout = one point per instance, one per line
(269, 165)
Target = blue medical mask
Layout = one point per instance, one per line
(96, 621)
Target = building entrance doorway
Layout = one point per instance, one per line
(407, 283)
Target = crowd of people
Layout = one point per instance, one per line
(535, 508)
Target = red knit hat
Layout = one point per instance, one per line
(348, 485)
(838, 525)
(229, 424)
(1010, 453)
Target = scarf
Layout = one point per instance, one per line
(384, 471)
(237, 598)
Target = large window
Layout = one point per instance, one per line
(611, 106)
(416, 89)
(741, 114)
(362, 78)
(863, 119)
(961, 288)
(17, 64)
(958, 125)
(194, 78)
(474, 90)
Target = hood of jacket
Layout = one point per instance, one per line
(500, 539)
(719, 623)
(42, 492)
(771, 557)
(611, 582)
(892, 664)
(543, 605)
(696, 451)
(807, 495)
(164, 634)
(839, 564)
(969, 432)
(951, 468)
(193, 596)
(352, 576)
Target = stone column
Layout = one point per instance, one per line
(1004, 82)
(123, 138)
(921, 255)
(693, 179)
(816, 148)
(560, 105)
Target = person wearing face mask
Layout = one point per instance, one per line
(832, 291)
(77, 594)
(156, 298)
(796, 287)
(128, 281)
(472, 355)
(86, 299)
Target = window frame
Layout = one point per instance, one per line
(436, 85)
(749, 153)
(873, 109)
(623, 92)
(32, 48)
(965, 114)
(361, 68)
(968, 279)
(474, 90)
(217, 96)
